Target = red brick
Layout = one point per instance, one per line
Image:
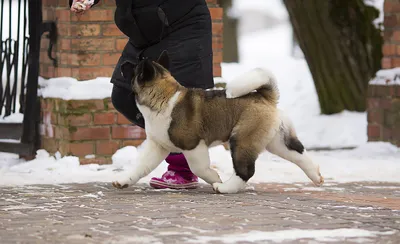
(78, 120)
(387, 134)
(390, 20)
(49, 14)
(373, 103)
(374, 131)
(216, 13)
(104, 118)
(84, 59)
(217, 46)
(217, 28)
(81, 149)
(111, 58)
(122, 120)
(217, 57)
(61, 132)
(128, 132)
(395, 62)
(375, 116)
(49, 3)
(85, 105)
(386, 63)
(85, 30)
(91, 133)
(217, 72)
(134, 143)
(63, 15)
(110, 105)
(63, 72)
(106, 147)
(120, 44)
(93, 44)
(398, 91)
(64, 44)
(95, 15)
(389, 49)
(88, 73)
(385, 103)
(101, 160)
(391, 6)
(212, 1)
(111, 30)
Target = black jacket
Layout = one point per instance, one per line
(146, 22)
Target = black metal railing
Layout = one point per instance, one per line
(14, 49)
(21, 29)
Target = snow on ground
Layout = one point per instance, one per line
(292, 235)
(370, 162)
(269, 49)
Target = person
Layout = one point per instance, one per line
(184, 29)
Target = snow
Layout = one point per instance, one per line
(68, 88)
(291, 235)
(387, 77)
(272, 8)
(270, 49)
(378, 4)
(376, 161)
(13, 118)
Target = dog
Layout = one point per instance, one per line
(179, 119)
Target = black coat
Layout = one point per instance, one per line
(182, 27)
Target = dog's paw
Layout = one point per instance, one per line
(318, 179)
(216, 187)
(225, 188)
(118, 185)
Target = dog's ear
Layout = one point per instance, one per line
(163, 60)
(146, 71)
(128, 70)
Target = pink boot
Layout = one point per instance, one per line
(178, 175)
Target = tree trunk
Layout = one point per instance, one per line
(342, 47)
(230, 35)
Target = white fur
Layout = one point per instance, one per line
(248, 82)
(199, 163)
(150, 155)
(277, 146)
(158, 123)
(233, 185)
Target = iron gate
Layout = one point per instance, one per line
(21, 29)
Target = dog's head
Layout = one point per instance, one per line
(146, 73)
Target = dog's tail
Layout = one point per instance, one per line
(261, 80)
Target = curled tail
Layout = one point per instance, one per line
(261, 80)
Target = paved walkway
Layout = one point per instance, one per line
(98, 213)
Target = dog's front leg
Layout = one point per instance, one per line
(199, 163)
(150, 155)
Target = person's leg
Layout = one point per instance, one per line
(190, 52)
(178, 175)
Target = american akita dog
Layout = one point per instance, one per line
(179, 119)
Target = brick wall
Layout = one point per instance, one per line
(89, 46)
(383, 106)
(86, 127)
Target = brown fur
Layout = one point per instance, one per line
(247, 122)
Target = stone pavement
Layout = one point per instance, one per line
(98, 213)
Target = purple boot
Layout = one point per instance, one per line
(178, 175)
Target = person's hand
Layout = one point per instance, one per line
(80, 6)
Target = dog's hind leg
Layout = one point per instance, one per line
(199, 163)
(150, 155)
(244, 156)
(286, 145)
